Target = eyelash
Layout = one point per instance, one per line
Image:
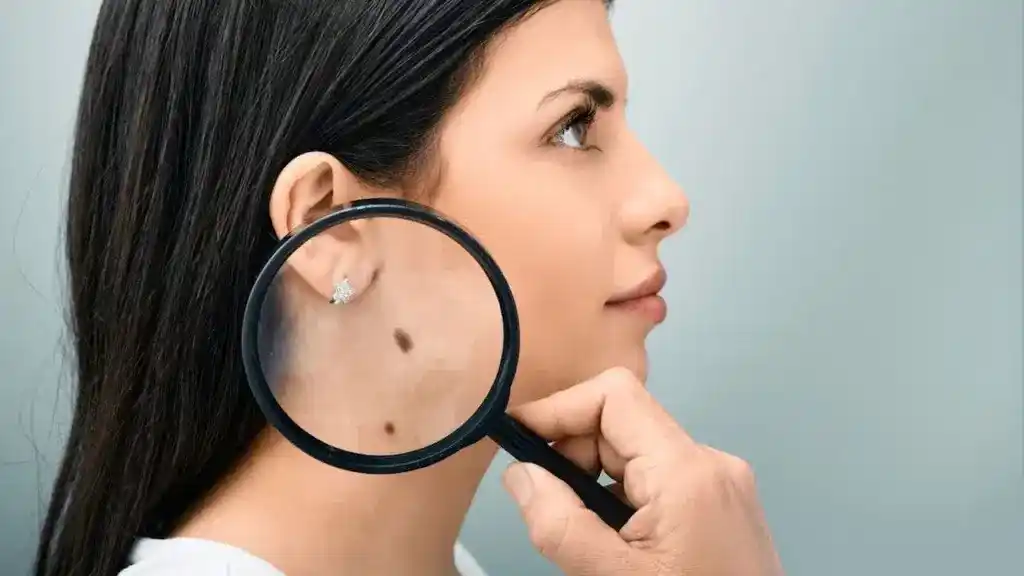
(584, 115)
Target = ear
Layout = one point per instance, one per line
(308, 188)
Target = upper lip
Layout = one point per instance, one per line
(649, 287)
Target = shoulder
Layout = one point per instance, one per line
(195, 557)
(465, 563)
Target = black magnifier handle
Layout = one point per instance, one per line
(526, 446)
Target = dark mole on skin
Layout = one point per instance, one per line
(389, 428)
(403, 340)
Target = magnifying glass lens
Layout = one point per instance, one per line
(380, 335)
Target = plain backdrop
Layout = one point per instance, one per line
(846, 303)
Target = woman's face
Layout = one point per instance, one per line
(540, 164)
(537, 162)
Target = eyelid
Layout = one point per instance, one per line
(585, 103)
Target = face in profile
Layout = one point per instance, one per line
(541, 165)
(538, 163)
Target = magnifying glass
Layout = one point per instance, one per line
(383, 338)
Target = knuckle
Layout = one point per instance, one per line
(621, 381)
(719, 476)
(742, 472)
(727, 476)
(737, 471)
(709, 476)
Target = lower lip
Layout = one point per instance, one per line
(653, 307)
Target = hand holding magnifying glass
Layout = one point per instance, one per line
(697, 508)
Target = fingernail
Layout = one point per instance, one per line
(517, 480)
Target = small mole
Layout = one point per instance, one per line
(389, 428)
(403, 340)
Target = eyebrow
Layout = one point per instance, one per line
(601, 94)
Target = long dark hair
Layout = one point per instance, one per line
(189, 110)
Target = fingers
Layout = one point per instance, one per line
(583, 452)
(562, 529)
(615, 406)
(696, 507)
(593, 455)
(614, 464)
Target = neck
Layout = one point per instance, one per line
(305, 517)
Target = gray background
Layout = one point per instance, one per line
(846, 304)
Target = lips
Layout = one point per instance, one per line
(642, 300)
(649, 287)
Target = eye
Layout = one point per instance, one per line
(572, 132)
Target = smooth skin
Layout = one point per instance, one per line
(698, 511)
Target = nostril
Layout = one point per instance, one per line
(663, 226)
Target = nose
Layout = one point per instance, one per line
(655, 206)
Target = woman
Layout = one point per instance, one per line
(207, 131)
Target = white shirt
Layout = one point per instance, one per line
(196, 557)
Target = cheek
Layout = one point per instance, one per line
(552, 237)
(561, 286)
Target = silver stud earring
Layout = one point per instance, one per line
(343, 292)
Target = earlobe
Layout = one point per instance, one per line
(337, 264)
(343, 292)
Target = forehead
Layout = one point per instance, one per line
(566, 41)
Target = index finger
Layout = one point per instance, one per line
(614, 405)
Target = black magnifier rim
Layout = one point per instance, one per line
(470, 432)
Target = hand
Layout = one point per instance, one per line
(697, 508)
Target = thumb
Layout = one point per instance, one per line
(562, 528)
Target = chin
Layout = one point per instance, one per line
(532, 384)
(633, 359)
(637, 364)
